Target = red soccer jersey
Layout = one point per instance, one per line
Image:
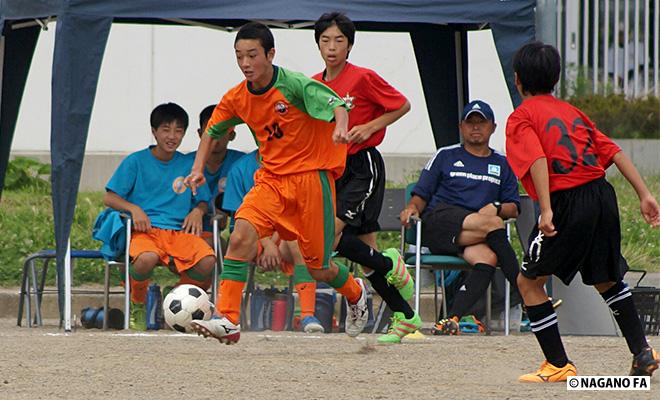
(368, 96)
(544, 126)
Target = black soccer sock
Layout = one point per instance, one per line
(543, 321)
(474, 287)
(619, 299)
(351, 247)
(390, 294)
(506, 257)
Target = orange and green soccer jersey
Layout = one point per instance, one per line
(294, 190)
(291, 120)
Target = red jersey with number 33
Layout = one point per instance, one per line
(368, 96)
(544, 126)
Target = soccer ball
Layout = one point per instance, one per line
(185, 303)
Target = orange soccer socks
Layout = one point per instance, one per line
(345, 284)
(306, 288)
(139, 285)
(192, 277)
(233, 281)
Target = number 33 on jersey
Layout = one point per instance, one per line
(291, 120)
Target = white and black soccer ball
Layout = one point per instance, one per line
(184, 304)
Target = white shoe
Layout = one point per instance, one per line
(357, 314)
(220, 328)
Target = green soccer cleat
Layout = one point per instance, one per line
(400, 327)
(138, 320)
(399, 277)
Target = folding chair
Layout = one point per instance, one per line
(217, 249)
(526, 221)
(217, 268)
(32, 285)
(439, 262)
(393, 203)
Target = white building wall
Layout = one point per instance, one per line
(147, 65)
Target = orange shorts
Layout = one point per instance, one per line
(184, 248)
(299, 207)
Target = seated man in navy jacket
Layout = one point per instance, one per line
(463, 195)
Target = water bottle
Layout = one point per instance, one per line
(154, 307)
(278, 321)
(160, 314)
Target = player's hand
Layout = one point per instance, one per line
(404, 216)
(141, 222)
(339, 135)
(193, 222)
(360, 133)
(270, 259)
(545, 224)
(650, 211)
(194, 180)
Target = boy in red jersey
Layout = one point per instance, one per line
(291, 117)
(561, 158)
(374, 105)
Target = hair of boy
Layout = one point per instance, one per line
(256, 31)
(167, 113)
(205, 115)
(343, 23)
(538, 67)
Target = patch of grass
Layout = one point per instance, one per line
(26, 226)
(640, 244)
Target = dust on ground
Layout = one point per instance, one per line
(46, 363)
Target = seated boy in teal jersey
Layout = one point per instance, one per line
(167, 217)
(273, 253)
(217, 166)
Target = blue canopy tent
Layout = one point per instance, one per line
(438, 31)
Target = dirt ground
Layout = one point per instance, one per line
(45, 363)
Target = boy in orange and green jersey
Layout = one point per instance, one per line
(291, 117)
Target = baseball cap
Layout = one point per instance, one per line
(480, 107)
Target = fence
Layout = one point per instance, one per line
(610, 44)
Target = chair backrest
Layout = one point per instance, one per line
(410, 235)
(393, 203)
(526, 220)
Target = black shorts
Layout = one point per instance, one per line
(588, 237)
(360, 191)
(441, 227)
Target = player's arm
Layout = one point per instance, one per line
(647, 203)
(541, 178)
(319, 102)
(141, 221)
(340, 134)
(196, 177)
(360, 133)
(221, 123)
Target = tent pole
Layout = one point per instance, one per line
(2, 64)
(460, 90)
(67, 287)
